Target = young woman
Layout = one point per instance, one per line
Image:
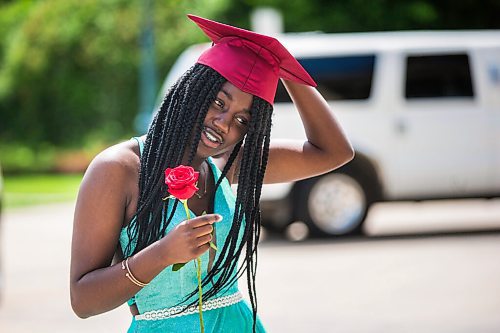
(217, 119)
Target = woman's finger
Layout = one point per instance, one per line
(204, 220)
(203, 230)
(203, 240)
(202, 249)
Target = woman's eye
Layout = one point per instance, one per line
(242, 120)
(219, 103)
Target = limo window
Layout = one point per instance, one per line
(438, 76)
(338, 78)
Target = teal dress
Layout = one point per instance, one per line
(158, 302)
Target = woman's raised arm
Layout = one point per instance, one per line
(326, 148)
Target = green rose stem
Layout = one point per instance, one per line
(198, 273)
(197, 263)
(181, 186)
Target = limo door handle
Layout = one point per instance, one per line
(401, 126)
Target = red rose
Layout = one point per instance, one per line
(181, 181)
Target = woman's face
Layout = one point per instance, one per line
(226, 122)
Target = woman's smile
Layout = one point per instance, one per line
(211, 138)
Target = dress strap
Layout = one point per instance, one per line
(141, 144)
(215, 169)
(217, 172)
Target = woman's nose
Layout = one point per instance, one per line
(222, 122)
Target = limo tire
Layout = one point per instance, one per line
(335, 204)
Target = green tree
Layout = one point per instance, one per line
(70, 67)
(370, 15)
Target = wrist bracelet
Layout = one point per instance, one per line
(131, 276)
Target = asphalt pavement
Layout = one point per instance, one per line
(427, 267)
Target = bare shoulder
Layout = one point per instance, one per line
(116, 163)
(122, 157)
(110, 182)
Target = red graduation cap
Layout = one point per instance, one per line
(251, 61)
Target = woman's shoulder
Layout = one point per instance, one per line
(119, 162)
(121, 155)
(109, 189)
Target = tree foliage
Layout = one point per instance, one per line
(368, 15)
(70, 67)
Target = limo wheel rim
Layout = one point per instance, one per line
(337, 204)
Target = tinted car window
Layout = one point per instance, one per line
(338, 78)
(435, 76)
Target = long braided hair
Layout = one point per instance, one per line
(180, 116)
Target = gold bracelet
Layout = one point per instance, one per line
(131, 276)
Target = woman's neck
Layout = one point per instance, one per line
(196, 163)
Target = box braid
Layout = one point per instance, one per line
(181, 116)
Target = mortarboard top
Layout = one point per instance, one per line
(251, 61)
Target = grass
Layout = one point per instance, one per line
(27, 190)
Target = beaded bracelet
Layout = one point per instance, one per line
(131, 276)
